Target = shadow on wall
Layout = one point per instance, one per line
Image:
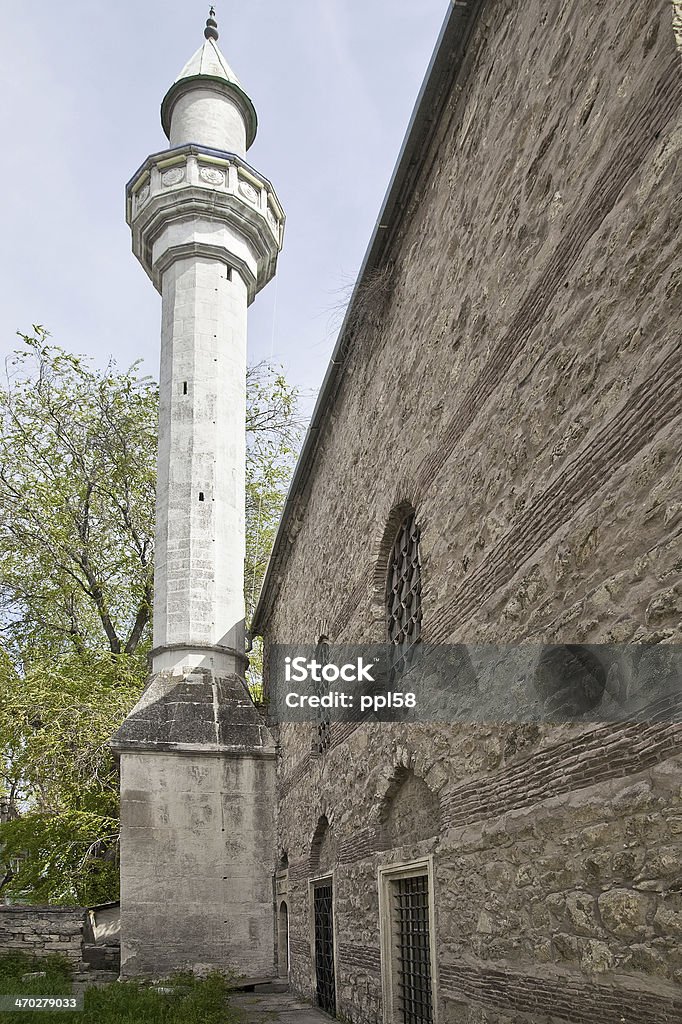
(323, 853)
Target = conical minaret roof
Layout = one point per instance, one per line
(208, 65)
(208, 60)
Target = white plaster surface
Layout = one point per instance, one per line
(216, 231)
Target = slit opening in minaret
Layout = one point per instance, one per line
(201, 495)
(184, 387)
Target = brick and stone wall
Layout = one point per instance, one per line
(43, 930)
(515, 377)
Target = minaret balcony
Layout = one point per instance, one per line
(188, 191)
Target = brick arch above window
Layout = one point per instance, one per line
(396, 517)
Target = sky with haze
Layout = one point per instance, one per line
(334, 83)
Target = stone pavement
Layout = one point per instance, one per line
(276, 1008)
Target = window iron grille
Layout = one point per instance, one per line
(403, 595)
(324, 947)
(413, 995)
(322, 733)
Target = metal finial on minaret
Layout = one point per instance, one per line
(211, 30)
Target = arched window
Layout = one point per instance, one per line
(404, 592)
(322, 730)
(323, 853)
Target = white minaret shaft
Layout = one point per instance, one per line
(199, 604)
(197, 761)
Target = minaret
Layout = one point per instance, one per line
(197, 763)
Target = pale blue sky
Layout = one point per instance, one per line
(334, 83)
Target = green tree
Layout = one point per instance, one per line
(77, 485)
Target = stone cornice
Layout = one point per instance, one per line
(212, 252)
(215, 649)
(192, 750)
(207, 152)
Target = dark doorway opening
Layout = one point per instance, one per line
(283, 940)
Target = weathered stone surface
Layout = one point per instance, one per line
(668, 919)
(199, 708)
(625, 912)
(41, 930)
(196, 840)
(518, 384)
(580, 907)
(596, 957)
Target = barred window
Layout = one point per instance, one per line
(412, 996)
(403, 592)
(322, 730)
(406, 918)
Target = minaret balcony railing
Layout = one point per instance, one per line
(210, 169)
(211, 181)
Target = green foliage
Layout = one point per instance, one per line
(14, 965)
(273, 441)
(59, 861)
(55, 723)
(77, 489)
(190, 1001)
(76, 504)
(273, 434)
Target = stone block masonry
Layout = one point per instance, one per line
(198, 891)
(43, 930)
(518, 388)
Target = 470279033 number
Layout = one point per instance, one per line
(26, 1004)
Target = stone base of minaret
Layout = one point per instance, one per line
(197, 829)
